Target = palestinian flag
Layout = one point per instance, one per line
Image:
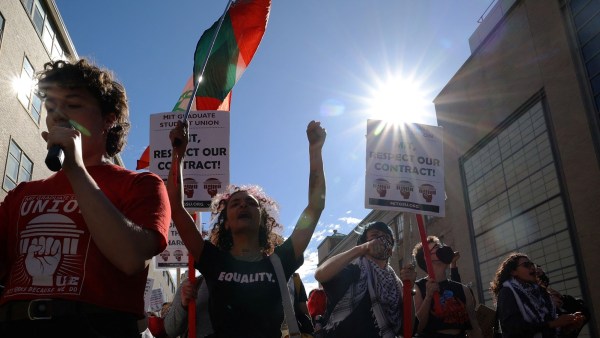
(240, 34)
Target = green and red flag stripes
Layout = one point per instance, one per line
(187, 93)
(239, 36)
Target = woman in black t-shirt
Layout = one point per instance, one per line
(245, 300)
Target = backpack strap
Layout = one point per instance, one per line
(288, 309)
(297, 285)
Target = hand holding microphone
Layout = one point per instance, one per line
(56, 155)
(55, 158)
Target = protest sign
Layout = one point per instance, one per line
(405, 168)
(206, 164)
(147, 292)
(175, 254)
(157, 298)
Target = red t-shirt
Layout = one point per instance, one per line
(47, 251)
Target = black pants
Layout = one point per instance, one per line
(94, 326)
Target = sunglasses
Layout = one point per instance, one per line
(527, 265)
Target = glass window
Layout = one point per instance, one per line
(586, 18)
(45, 27)
(57, 51)
(28, 4)
(48, 35)
(25, 83)
(12, 165)
(400, 222)
(19, 167)
(516, 203)
(25, 170)
(38, 17)
(1, 27)
(25, 92)
(36, 108)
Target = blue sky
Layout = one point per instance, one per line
(332, 61)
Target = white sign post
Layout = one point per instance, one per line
(206, 164)
(405, 168)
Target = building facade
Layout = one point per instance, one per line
(521, 128)
(521, 123)
(31, 34)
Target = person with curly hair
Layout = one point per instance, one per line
(75, 247)
(245, 299)
(523, 307)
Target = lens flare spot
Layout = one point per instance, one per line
(332, 108)
(446, 43)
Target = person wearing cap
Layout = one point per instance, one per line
(364, 294)
(454, 313)
(245, 298)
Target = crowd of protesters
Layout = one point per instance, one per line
(81, 272)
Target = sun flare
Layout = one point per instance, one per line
(23, 85)
(399, 100)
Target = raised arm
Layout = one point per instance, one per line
(316, 189)
(331, 267)
(192, 238)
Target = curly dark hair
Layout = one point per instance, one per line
(267, 236)
(101, 84)
(503, 273)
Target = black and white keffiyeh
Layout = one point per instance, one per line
(385, 289)
(534, 307)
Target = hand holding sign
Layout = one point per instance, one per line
(179, 137)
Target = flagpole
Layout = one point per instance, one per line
(437, 308)
(197, 81)
(407, 283)
(192, 276)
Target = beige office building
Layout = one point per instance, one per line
(31, 34)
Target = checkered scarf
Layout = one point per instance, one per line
(384, 291)
(534, 307)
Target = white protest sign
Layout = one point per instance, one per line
(405, 168)
(157, 299)
(175, 254)
(147, 292)
(206, 164)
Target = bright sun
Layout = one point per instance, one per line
(399, 100)
(23, 85)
